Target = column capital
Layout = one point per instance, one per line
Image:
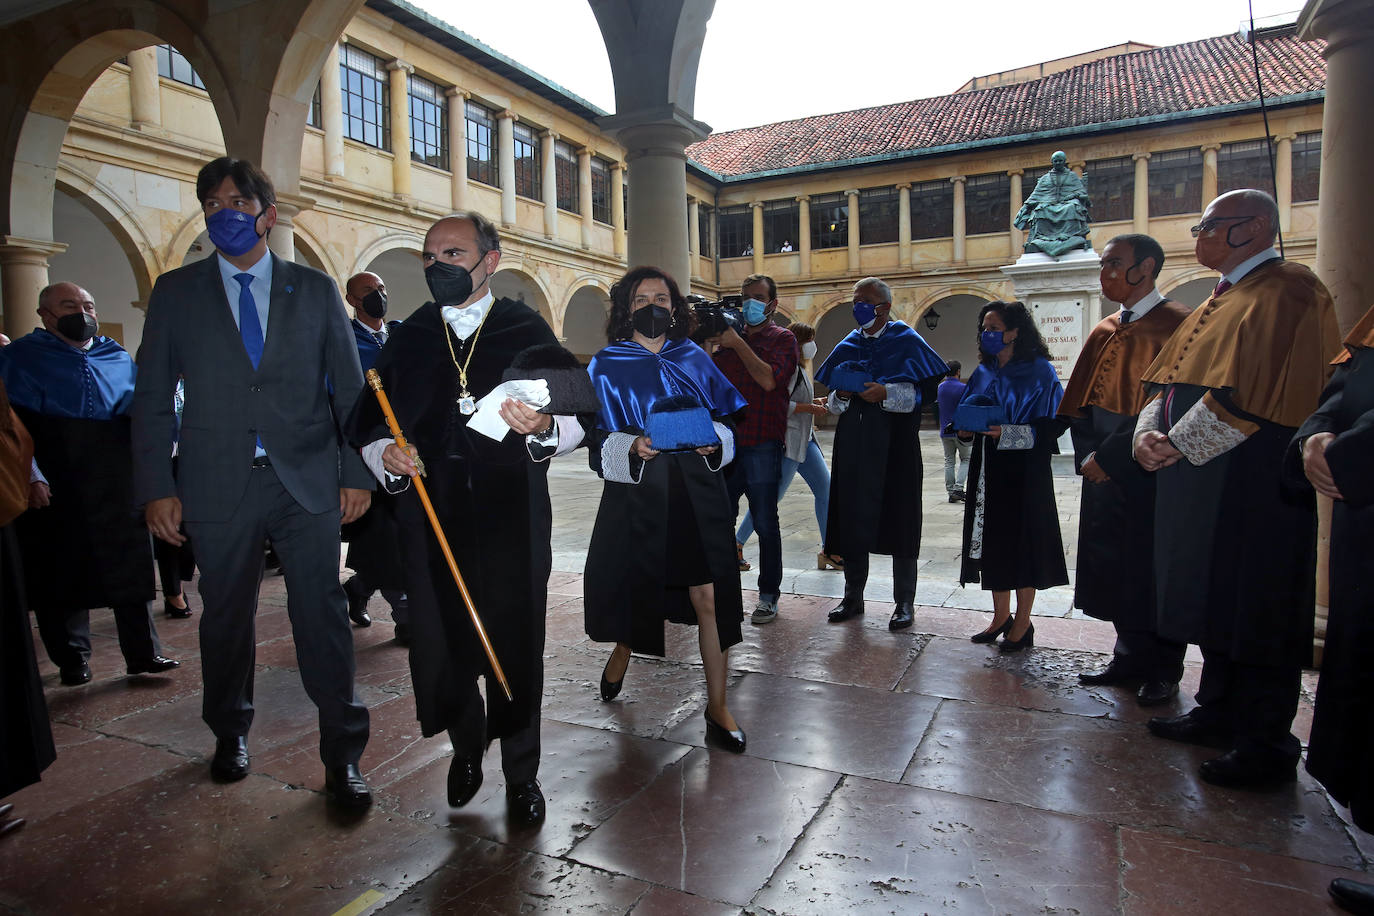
(399, 64)
(291, 205)
(453, 92)
(1014, 172)
(804, 199)
(1290, 137)
(756, 204)
(1210, 147)
(1137, 157)
(1077, 165)
(549, 133)
(585, 152)
(18, 248)
(958, 179)
(618, 165)
(903, 186)
(852, 192)
(506, 114)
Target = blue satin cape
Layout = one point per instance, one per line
(629, 378)
(1028, 390)
(368, 348)
(899, 354)
(49, 376)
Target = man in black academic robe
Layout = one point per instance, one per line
(491, 498)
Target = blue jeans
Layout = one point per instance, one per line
(817, 477)
(755, 473)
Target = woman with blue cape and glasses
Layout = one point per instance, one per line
(663, 547)
(1011, 526)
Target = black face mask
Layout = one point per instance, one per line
(449, 284)
(651, 321)
(78, 326)
(374, 304)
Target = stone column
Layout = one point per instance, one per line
(1140, 204)
(904, 225)
(331, 115)
(1283, 180)
(505, 132)
(804, 233)
(693, 235)
(400, 127)
(23, 273)
(852, 197)
(282, 239)
(458, 146)
(1209, 173)
(1014, 204)
(584, 194)
(1079, 166)
(757, 207)
(959, 231)
(618, 208)
(550, 182)
(145, 89)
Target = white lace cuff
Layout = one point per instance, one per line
(1016, 437)
(1201, 435)
(901, 397)
(1148, 421)
(372, 457)
(615, 459)
(727, 446)
(836, 404)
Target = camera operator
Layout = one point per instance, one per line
(761, 365)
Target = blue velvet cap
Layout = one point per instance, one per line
(679, 423)
(977, 412)
(850, 375)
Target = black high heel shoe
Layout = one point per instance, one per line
(1026, 641)
(176, 613)
(987, 636)
(611, 689)
(723, 737)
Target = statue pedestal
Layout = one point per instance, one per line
(1065, 296)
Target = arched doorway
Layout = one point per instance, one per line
(956, 335)
(400, 270)
(518, 285)
(835, 322)
(97, 261)
(1194, 292)
(584, 322)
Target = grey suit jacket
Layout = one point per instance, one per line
(190, 333)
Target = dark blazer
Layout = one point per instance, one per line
(309, 350)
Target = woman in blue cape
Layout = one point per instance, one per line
(1011, 526)
(663, 545)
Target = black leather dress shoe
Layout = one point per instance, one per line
(1352, 896)
(155, 665)
(724, 738)
(402, 634)
(1234, 770)
(345, 787)
(847, 610)
(464, 779)
(1114, 675)
(1189, 729)
(74, 677)
(176, 613)
(1156, 693)
(230, 762)
(525, 803)
(903, 617)
(357, 609)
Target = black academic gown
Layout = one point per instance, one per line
(1341, 753)
(26, 746)
(493, 503)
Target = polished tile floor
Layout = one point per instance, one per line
(909, 773)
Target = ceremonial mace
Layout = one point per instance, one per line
(375, 381)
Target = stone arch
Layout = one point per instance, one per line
(181, 249)
(515, 282)
(401, 270)
(121, 222)
(1195, 291)
(408, 241)
(311, 253)
(583, 318)
(956, 337)
(833, 321)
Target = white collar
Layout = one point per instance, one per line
(886, 324)
(1142, 308)
(467, 319)
(1237, 273)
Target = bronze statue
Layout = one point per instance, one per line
(1056, 211)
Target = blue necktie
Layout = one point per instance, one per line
(249, 325)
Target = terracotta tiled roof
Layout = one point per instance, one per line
(1158, 83)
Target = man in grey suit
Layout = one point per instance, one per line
(270, 369)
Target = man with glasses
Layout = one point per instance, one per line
(1235, 549)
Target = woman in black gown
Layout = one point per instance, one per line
(663, 544)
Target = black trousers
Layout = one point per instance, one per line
(67, 634)
(1256, 703)
(231, 566)
(903, 577)
(519, 752)
(1149, 656)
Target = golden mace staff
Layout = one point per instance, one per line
(375, 381)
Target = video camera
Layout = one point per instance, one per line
(710, 319)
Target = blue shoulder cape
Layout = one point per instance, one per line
(629, 378)
(1027, 389)
(49, 376)
(368, 348)
(899, 354)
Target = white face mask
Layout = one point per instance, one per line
(808, 349)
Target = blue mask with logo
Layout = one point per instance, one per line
(754, 311)
(865, 314)
(992, 342)
(233, 231)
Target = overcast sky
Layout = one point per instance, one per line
(805, 57)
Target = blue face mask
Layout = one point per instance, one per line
(865, 314)
(232, 231)
(755, 312)
(992, 342)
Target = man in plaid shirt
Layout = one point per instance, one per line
(761, 364)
